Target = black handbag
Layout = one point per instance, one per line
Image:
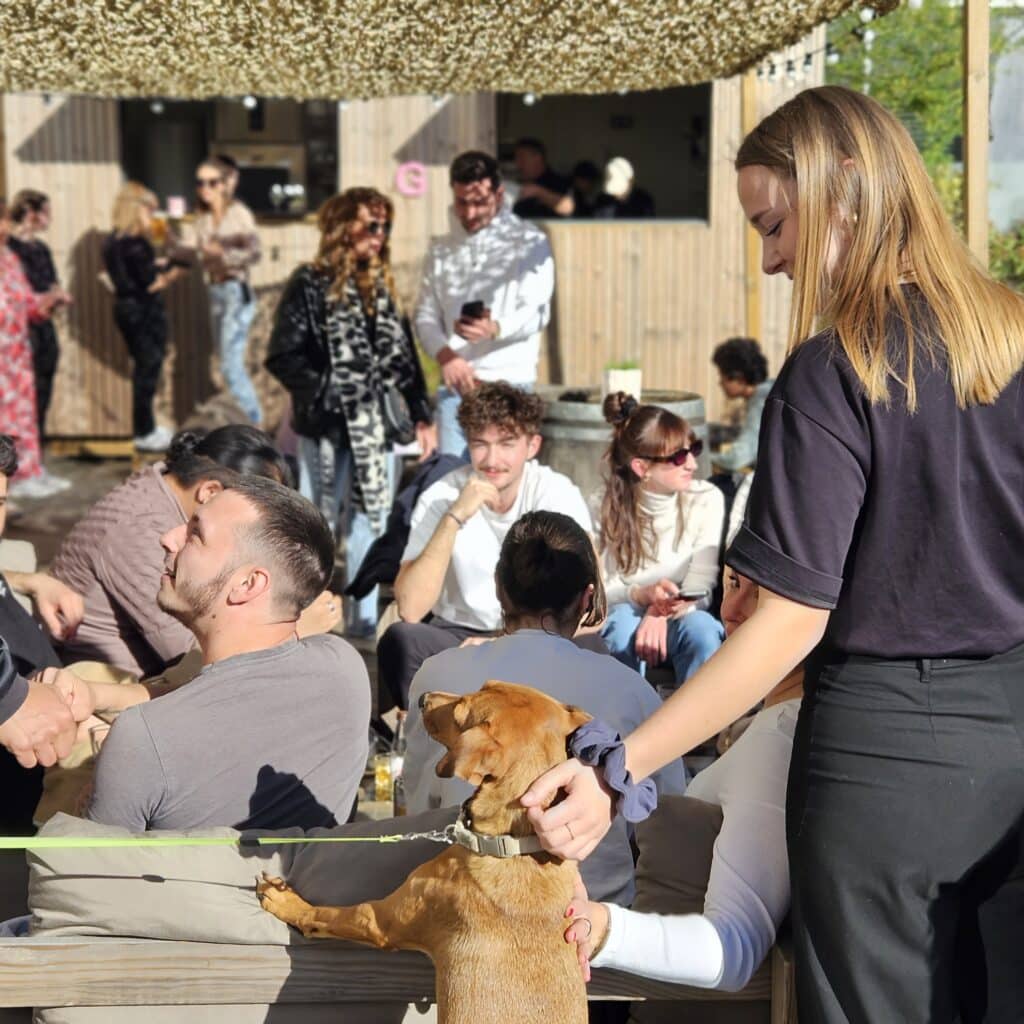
(399, 427)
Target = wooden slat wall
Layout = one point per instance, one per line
(667, 292)
(662, 292)
(378, 136)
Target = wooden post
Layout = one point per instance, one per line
(751, 239)
(976, 54)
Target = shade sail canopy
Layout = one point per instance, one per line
(366, 48)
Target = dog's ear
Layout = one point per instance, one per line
(577, 717)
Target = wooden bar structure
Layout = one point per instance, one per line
(976, 126)
(664, 292)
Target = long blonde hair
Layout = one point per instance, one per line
(857, 170)
(128, 205)
(335, 256)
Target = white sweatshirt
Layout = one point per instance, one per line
(689, 558)
(508, 266)
(748, 891)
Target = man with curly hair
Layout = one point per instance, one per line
(445, 588)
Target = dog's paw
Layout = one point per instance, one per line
(280, 899)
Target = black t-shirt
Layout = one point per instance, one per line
(909, 527)
(131, 263)
(30, 647)
(37, 262)
(533, 207)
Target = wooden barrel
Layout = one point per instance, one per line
(576, 435)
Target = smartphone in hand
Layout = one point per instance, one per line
(472, 310)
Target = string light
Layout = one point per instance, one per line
(250, 102)
(529, 99)
(157, 106)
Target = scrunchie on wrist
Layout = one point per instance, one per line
(597, 744)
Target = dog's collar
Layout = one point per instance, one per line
(492, 846)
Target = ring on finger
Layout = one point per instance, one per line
(569, 830)
(590, 928)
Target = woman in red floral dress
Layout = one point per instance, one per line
(18, 305)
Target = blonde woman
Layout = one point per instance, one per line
(139, 305)
(342, 350)
(886, 531)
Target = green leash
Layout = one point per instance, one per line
(109, 842)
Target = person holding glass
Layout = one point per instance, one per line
(885, 529)
(225, 237)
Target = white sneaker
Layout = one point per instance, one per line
(58, 482)
(34, 487)
(156, 440)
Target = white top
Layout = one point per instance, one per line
(595, 682)
(748, 890)
(688, 558)
(508, 266)
(468, 597)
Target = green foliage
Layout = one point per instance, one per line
(623, 364)
(917, 72)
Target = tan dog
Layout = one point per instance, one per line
(493, 927)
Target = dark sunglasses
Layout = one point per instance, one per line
(378, 227)
(208, 182)
(679, 458)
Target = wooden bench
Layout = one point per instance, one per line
(91, 971)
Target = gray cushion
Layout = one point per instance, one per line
(207, 893)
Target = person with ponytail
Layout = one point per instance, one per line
(885, 529)
(549, 586)
(660, 532)
(342, 349)
(114, 559)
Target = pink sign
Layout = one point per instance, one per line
(411, 179)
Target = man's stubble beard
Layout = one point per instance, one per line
(196, 600)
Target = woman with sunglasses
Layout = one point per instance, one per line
(341, 348)
(224, 234)
(660, 532)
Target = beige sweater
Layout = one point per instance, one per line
(687, 556)
(113, 558)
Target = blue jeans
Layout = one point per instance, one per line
(232, 316)
(691, 639)
(357, 529)
(450, 438)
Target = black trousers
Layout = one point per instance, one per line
(404, 647)
(143, 324)
(904, 816)
(45, 356)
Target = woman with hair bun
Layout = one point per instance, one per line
(114, 559)
(660, 532)
(549, 585)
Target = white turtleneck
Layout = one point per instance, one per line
(692, 560)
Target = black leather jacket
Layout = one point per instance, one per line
(298, 357)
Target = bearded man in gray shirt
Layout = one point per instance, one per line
(272, 733)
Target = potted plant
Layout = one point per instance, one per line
(623, 375)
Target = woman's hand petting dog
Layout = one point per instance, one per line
(572, 828)
(588, 926)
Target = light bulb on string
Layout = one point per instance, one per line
(157, 107)
(250, 102)
(831, 55)
(867, 14)
(529, 99)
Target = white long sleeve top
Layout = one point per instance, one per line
(508, 266)
(748, 891)
(688, 531)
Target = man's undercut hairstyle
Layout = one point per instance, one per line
(535, 145)
(475, 166)
(741, 358)
(500, 404)
(194, 455)
(8, 456)
(291, 536)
